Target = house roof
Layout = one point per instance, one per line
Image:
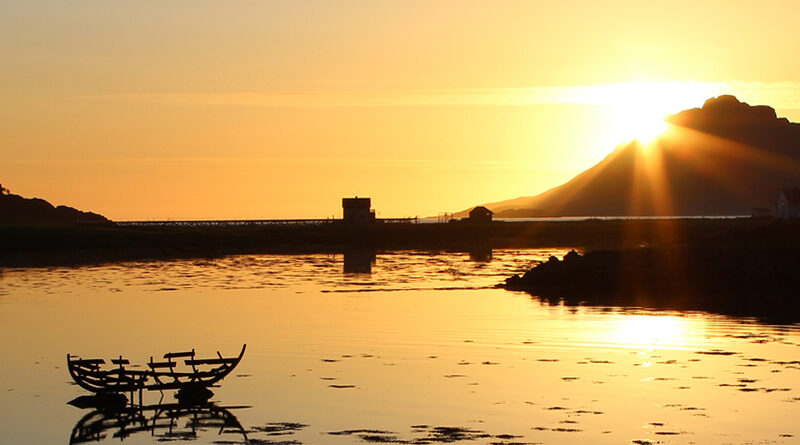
(481, 209)
(361, 203)
(792, 195)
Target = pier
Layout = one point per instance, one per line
(255, 222)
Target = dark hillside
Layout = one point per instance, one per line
(722, 159)
(15, 209)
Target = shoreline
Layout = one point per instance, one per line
(737, 267)
(43, 245)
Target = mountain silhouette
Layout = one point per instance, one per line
(15, 209)
(722, 159)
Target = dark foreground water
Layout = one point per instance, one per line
(403, 348)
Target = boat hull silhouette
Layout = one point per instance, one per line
(90, 374)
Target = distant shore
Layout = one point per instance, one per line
(45, 245)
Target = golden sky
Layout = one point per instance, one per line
(277, 109)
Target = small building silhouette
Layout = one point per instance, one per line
(480, 214)
(788, 204)
(357, 210)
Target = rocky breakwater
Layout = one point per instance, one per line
(758, 282)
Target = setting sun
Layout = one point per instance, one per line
(297, 107)
(400, 221)
(639, 108)
(642, 124)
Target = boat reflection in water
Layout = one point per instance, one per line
(164, 422)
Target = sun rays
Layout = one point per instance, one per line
(638, 109)
(662, 176)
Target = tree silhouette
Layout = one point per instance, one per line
(3, 190)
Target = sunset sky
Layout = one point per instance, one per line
(277, 109)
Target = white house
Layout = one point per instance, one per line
(788, 204)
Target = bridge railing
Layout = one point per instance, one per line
(252, 222)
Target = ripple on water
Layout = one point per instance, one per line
(555, 373)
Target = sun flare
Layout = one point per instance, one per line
(638, 109)
(643, 124)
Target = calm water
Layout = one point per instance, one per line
(421, 349)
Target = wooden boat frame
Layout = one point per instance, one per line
(158, 376)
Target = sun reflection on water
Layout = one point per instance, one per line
(399, 365)
(650, 331)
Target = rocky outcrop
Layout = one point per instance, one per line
(736, 280)
(15, 209)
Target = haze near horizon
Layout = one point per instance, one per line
(208, 109)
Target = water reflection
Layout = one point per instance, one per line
(389, 270)
(480, 254)
(407, 362)
(163, 422)
(732, 306)
(359, 261)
